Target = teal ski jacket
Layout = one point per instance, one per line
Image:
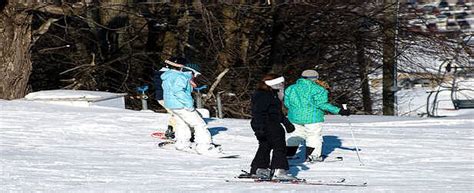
(307, 102)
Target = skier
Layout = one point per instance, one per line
(266, 118)
(307, 102)
(169, 134)
(177, 97)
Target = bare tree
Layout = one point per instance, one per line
(16, 40)
(389, 57)
(114, 45)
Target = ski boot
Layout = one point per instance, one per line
(263, 173)
(169, 134)
(282, 175)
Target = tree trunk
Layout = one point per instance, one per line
(225, 56)
(114, 16)
(15, 60)
(276, 57)
(389, 58)
(170, 41)
(363, 74)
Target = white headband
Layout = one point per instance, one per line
(196, 73)
(173, 63)
(275, 81)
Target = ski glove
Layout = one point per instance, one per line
(288, 125)
(344, 112)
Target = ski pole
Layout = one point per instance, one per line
(352, 133)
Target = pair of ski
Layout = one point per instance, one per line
(247, 178)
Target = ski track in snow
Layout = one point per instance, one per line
(52, 148)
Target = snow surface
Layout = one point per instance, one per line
(54, 148)
(70, 94)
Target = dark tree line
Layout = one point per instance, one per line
(115, 45)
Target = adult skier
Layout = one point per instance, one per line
(266, 118)
(307, 103)
(177, 97)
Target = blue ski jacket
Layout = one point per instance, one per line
(177, 89)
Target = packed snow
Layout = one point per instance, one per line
(58, 148)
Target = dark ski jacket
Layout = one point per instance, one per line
(267, 113)
(157, 81)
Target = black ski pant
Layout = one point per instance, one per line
(275, 140)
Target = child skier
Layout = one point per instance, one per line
(177, 97)
(169, 134)
(266, 118)
(307, 102)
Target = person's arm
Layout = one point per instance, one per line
(287, 97)
(289, 127)
(259, 115)
(322, 103)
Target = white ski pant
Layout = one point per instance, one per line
(171, 120)
(311, 133)
(185, 121)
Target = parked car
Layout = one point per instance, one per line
(432, 27)
(452, 25)
(443, 4)
(463, 24)
(441, 22)
(441, 18)
(460, 3)
(460, 15)
(430, 9)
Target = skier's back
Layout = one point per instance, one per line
(177, 97)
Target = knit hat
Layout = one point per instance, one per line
(310, 74)
(195, 68)
(176, 61)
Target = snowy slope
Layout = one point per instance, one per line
(52, 148)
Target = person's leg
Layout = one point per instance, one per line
(278, 144)
(171, 121)
(262, 157)
(202, 136)
(314, 140)
(182, 132)
(294, 139)
(279, 160)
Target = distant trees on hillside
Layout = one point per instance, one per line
(115, 45)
